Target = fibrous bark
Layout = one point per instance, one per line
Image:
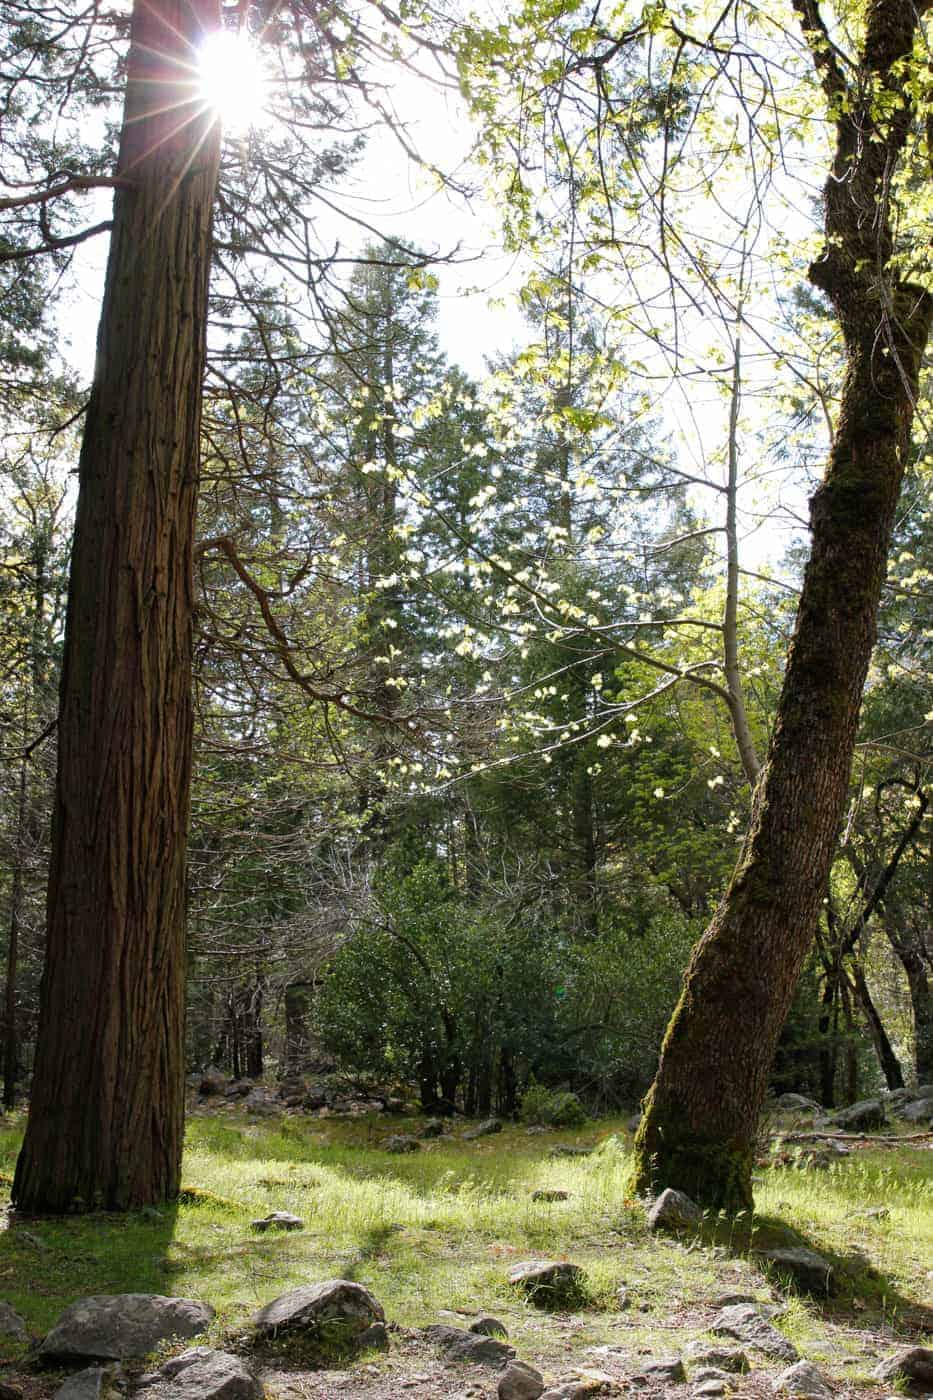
(700, 1120)
(105, 1122)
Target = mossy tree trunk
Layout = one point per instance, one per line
(105, 1122)
(701, 1114)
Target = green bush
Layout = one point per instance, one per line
(554, 1108)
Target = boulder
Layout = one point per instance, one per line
(261, 1102)
(669, 1369)
(803, 1379)
(919, 1111)
(520, 1381)
(212, 1081)
(491, 1125)
(375, 1338)
(457, 1345)
(116, 1327)
(547, 1281)
(797, 1103)
(701, 1354)
(335, 1304)
(401, 1142)
(489, 1327)
(744, 1322)
(89, 1384)
(433, 1128)
(11, 1324)
(861, 1117)
(809, 1270)
(278, 1220)
(239, 1089)
(203, 1374)
(674, 1211)
(912, 1366)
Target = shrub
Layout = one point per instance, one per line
(555, 1108)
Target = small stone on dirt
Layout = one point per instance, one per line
(674, 1211)
(808, 1269)
(913, 1365)
(745, 1322)
(489, 1327)
(11, 1324)
(519, 1381)
(491, 1125)
(803, 1379)
(669, 1368)
(278, 1220)
(335, 1302)
(545, 1195)
(115, 1327)
(547, 1281)
(457, 1345)
(401, 1142)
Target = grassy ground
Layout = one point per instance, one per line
(438, 1229)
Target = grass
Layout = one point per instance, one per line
(437, 1230)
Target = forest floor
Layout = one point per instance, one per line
(433, 1233)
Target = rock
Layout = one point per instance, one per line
(722, 1358)
(433, 1128)
(572, 1390)
(876, 1213)
(119, 1326)
(401, 1142)
(807, 1268)
(258, 1101)
(670, 1369)
(239, 1089)
(10, 1392)
(861, 1117)
(674, 1211)
(278, 1220)
(711, 1387)
(797, 1103)
(544, 1195)
(520, 1381)
(89, 1384)
(547, 1281)
(914, 1365)
(803, 1379)
(457, 1345)
(633, 1122)
(563, 1150)
(489, 1327)
(709, 1373)
(727, 1299)
(623, 1300)
(744, 1322)
(203, 1374)
(335, 1303)
(375, 1338)
(11, 1324)
(212, 1081)
(491, 1125)
(920, 1111)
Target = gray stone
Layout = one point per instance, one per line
(674, 1211)
(709, 1373)
(862, 1116)
(731, 1296)
(711, 1387)
(797, 1103)
(489, 1327)
(375, 1338)
(89, 1384)
(433, 1128)
(11, 1324)
(745, 1322)
(913, 1365)
(542, 1194)
(203, 1374)
(633, 1122)
(564, 1150)
(547, 1281)
(457, 1345)
(666, 1368)
(401, 1142)
(258, 1101)
(803, 1379)
(807, 1268)
(570, 1390)
(722, 1358)
(115, 1327)
(520, 1381)
(278, 1220)
(334, 1303)
(212, 1081)
(491, 1125)
(920, 1111)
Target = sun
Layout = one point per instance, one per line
(232, 81)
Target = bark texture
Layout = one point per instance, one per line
(701, 1114)
(105, 1124)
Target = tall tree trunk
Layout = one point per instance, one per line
(10, 1030)
(105, 1123)
(701, 1114)
(890, 1064)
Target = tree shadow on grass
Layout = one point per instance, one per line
(858, 1292)
(48, 1261)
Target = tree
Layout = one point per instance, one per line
(701, 1114)
(112, 1004)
